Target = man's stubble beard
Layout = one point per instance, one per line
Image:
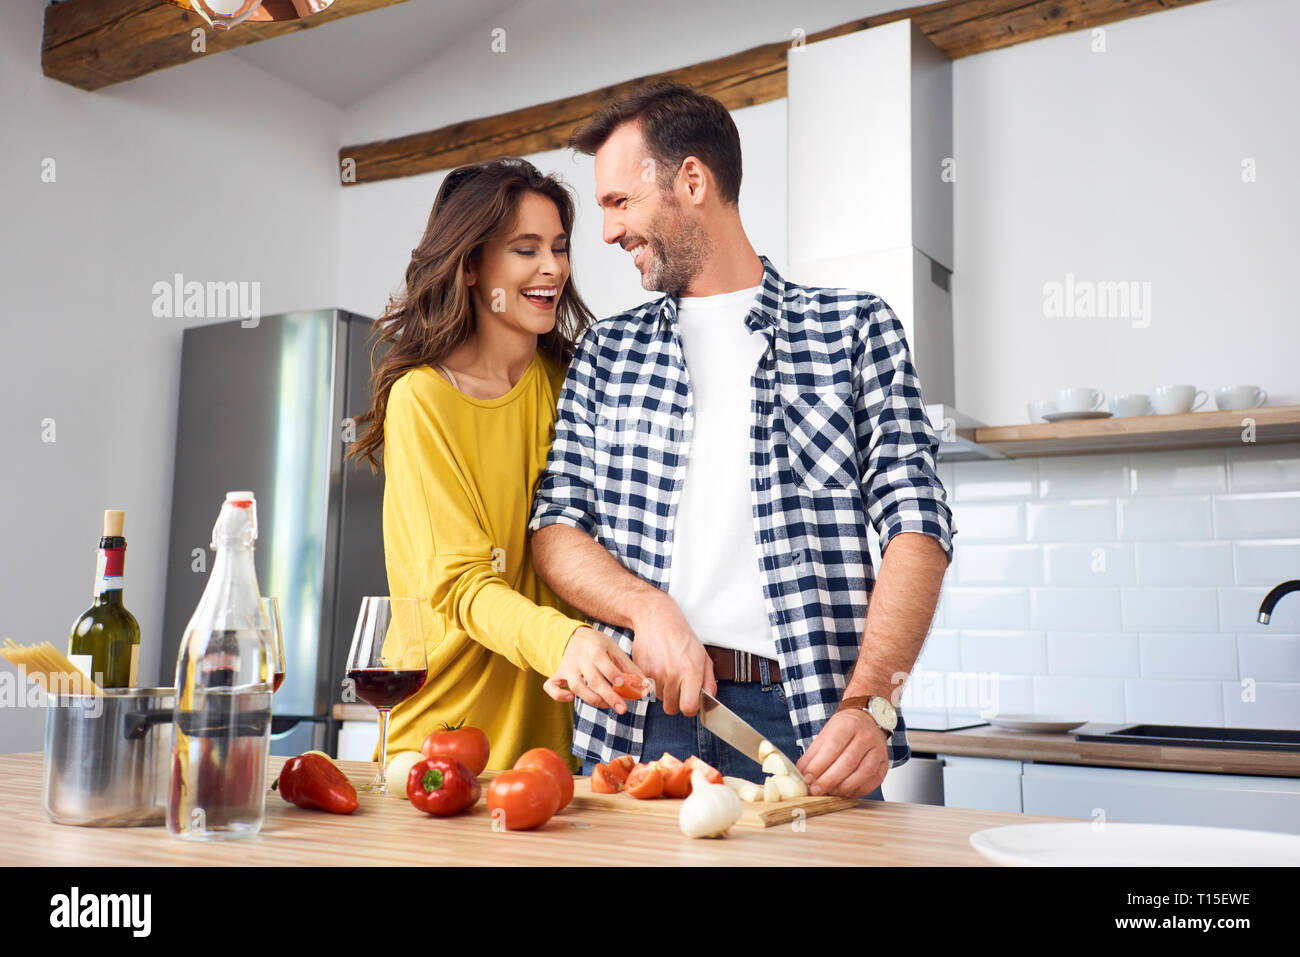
(679, 249)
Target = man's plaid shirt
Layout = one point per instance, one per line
(839, 437)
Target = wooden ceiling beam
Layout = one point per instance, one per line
(958, 27)
(92, 44)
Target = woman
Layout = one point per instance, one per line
(464, 407)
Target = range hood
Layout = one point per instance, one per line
(870, 147)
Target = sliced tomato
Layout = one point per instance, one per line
(646, 781)
(622, 767)
(677, 776)
(694, 764)
(630, 686)
(604, 782)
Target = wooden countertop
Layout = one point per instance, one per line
(991, 742)
(1061, 748)
(388, 831)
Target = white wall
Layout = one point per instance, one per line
(1126, 165)
(153, 178)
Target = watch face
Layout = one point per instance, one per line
(884, 713)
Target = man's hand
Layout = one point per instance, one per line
(849, 756)
(591, 662)
(666, 648)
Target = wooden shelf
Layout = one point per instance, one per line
(1146, 433)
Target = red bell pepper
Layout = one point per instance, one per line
(442, 786)
(314, 781)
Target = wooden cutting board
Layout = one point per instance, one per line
(755, 814)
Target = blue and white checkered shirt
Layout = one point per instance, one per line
(839, 437)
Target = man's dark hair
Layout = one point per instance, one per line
(676, 122)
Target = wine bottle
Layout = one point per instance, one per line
(105, 640)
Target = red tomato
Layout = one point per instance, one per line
(697, 764)
(646, 781)
(621, 767)
(603, 782)
(544, 759)
(630, 686)
(526, 798)
(469, 746)
(677, 776)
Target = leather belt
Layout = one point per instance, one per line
(729, 665)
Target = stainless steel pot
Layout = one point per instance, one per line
(107, 757)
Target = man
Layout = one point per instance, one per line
(717, 455)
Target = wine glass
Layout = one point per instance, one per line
(275, 641)
(387, 664)
(275, 648)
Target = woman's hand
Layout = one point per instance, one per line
(591, 662)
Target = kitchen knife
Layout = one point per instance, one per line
(733, 729)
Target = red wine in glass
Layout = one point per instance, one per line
(386, 687)
(386, 664)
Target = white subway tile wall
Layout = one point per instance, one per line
(1122, 587)
(1083, 476)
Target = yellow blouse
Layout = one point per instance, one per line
(460, 474)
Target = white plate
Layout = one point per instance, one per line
(1069, 416)
(1033, 722)
(1087, 844)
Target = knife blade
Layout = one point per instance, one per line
(733, 729)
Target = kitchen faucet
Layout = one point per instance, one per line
(1266, 606)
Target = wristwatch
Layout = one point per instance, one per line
(881, 711)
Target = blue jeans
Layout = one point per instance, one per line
(762, 705)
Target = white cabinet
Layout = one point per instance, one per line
(1252, 802)
(358, 740)
(985, 784)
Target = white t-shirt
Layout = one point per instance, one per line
(714, 576)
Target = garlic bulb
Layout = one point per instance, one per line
(399, 768)
(710, 809)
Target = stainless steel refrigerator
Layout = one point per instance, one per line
(266, 408)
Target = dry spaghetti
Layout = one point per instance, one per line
(48, 667)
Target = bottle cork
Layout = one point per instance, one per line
(113, 521)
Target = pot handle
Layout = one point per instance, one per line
(135, 724)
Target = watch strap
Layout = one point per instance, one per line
(859, 703)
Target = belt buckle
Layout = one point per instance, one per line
(742, 665)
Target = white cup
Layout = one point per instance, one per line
(1079, 399)
(1239, 397)
(1040, 407)
(1173, 399)
(1130, 404)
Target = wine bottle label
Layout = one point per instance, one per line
(108, 570)
(135, 667)
(83, 662)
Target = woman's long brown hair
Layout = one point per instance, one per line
(434, 313)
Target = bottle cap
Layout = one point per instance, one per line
(237, 520)
(114, 518)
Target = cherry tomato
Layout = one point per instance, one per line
(544, 759)
(694, 764)
(677, 776)
(621, 767)
(630, 686)
(525, 798)
(469, 746)
(646, 781)
(603, 782)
